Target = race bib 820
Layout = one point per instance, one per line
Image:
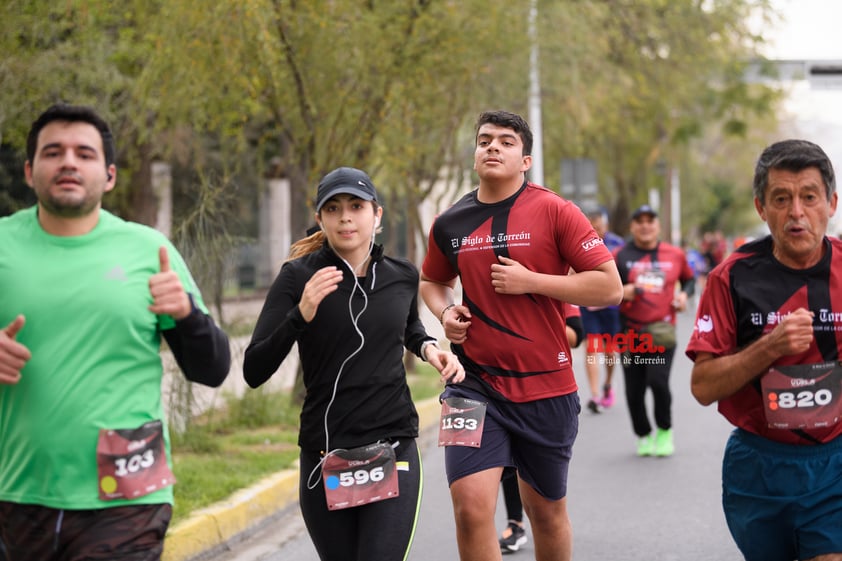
(802, 396)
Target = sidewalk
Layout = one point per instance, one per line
(210, 529)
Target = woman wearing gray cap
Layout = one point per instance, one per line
(352, 310)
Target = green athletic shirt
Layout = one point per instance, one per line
(95, 353)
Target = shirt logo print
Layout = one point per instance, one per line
(590, 244)
(117, 273)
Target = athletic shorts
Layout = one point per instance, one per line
(536, 437)
(781, 501)
(603, 322)
(127, 533)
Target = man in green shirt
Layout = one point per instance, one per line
(85, 298)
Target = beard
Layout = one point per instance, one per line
(69, 205)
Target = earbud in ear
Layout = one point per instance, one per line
(376, 222)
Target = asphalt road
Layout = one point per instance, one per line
(623, 508)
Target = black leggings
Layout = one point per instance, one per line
(511, 494)
(382, 530)
(652, 371)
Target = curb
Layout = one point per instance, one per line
(211, 527)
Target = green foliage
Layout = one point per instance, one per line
(326, 83)
(203, 234)
(243, 87)
(206, 478)
(637, 82)
(424, 382)
(716, 183)
(261, 407)
(233, 447)
(197, 440)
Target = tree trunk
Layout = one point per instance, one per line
(143, 203)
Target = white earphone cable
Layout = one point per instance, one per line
(355, 322)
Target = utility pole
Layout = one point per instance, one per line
(536, 174)
(675, 206)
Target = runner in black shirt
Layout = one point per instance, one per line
(351, 310)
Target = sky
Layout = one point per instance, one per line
(809, 30)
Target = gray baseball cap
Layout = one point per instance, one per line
(345, 180)
(644, 209)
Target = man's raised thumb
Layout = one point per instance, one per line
(12, 329)
(164, 258)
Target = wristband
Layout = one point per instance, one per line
(441, 315)
(424, 346)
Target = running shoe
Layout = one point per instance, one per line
(664, 445)
(645, 446)
(512, 538)
(594, 406)
(607, 396)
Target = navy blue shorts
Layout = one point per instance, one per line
(603, 322)
(782, 502)
(536, 437)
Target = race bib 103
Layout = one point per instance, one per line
(131, 463)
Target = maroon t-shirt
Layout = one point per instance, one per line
(516, 348)
(745, 298)
(654, 272)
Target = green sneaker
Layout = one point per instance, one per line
(663, 443)
(645, 446)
